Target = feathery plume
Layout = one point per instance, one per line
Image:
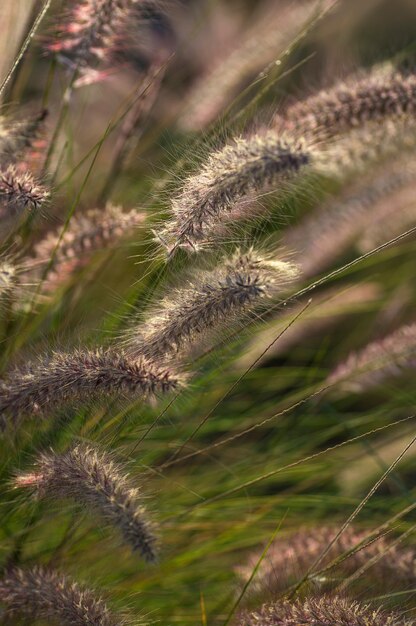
(83, 374)
(19, 191)
(91, 477)
(290, 558)
(324, 611)
(386, 358)
(39, 592)
(88, 32)
(321, 237)
(231, 174)
(216, 297)
(87, 233)
(380, 94)
(17, 136)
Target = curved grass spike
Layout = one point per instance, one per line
(229, 175)
(89, 232)
(63, 378)
(385, 358)
(214, 298)
(48, 594)
(323, 611)
(378, 95)
(92, 478)
(290, 558)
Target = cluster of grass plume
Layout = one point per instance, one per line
(359, 134)
(321, 237)
(377, 95)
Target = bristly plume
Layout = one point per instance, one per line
(92, 478)
(88, 32)
(19, 191)
(379, 95)
(241, 168)
(63, 378)
(324, 611)
(17, 136)
(288, 559)
(47, 594)
(95, 230)
(386, 358)
(215, 298)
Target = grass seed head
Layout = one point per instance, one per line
(90, 476)
(229, 175)
(39, 592)
(216, 298)
(324, 611)
(64, 378)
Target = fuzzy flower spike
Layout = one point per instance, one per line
(215, 298)
(325, 611)
(91, 477)
(47, 594)
(64, 378)
(241, 168)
